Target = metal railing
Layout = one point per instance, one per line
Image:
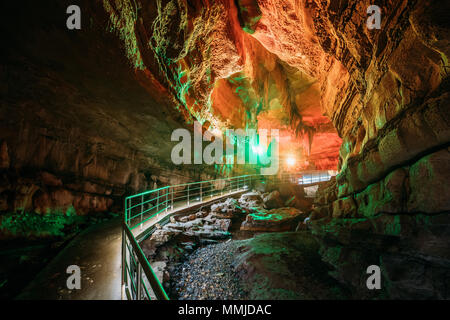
(145, 209)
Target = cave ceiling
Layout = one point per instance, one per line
(236, 64)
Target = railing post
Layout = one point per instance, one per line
(142, 210)
(172, 198)
(157, 202)
(167, 199)
(138, 281)
(126, 211)
(188, 195)
(201, 192)
(123, 284)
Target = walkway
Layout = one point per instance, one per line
(97, 251)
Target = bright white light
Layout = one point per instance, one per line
(258, 149)
(290, 161)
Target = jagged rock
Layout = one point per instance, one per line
(281, 219)
(284, 266)
(251, 200)
(327, 192)
(289, 190)
(210, 219)
(310, 192)
(273, 200)
(228, 207)
(211, 234)
(387, 196)
(344, 208)
(223, 215)
(412, 251)
(319, 212)
(187, 218)
(159, 268)
(208, 227)
(175, 226)
(157, 239)
(201, 214)
(260, 187)
(303, 204)
(222, 224)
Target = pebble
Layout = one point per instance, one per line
(207, 275)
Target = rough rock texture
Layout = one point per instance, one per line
(400, 223)
(194, 227)
(251, 201)
(280, 219)
(78, 129)
(411, 250)
(284, 266)
(273, 200)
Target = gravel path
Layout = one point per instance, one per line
(207, 275)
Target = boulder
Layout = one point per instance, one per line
(251, 200)
(273, 200)
(225, 209)
(157, 239)
(287, 191)
(301, 203)
(222, 224)
(281, 219)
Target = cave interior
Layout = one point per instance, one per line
(87, 116)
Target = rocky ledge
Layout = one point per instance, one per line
(281, 219)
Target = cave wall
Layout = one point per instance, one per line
(389, 204)
(80, 127)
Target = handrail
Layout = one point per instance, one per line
(134, 262)
(145, 265)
